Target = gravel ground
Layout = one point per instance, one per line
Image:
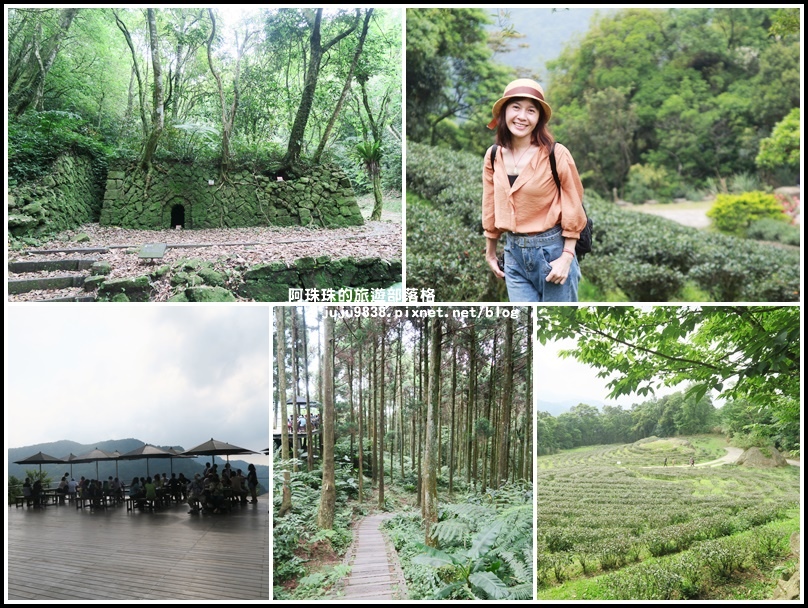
(228, 249)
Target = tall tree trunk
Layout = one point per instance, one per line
(328, 498)
(470, 443)
(228, 114)
(158, 111)
(361, 430)
(430, 459)
(286, 498)
(381, 416)
(316, 52)
(490, 414)
(373, 387)
(28, 89)
(144, 122)
(527, 472)
(452, 423)
(309, 438)
(507, 404)
(421, 415)
(347, 87)
(350, 402)
(400, 405)
(296, 386)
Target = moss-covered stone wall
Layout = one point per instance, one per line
(65, 199)
(193, 196)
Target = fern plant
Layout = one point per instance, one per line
(472, 573)
(487, 546)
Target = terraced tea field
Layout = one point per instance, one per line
(614, 523)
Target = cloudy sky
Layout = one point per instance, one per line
(564, 379)
(166, 375)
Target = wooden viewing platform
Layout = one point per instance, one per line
(62, 553)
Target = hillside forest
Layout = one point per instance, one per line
(694, 106)
(422, 415)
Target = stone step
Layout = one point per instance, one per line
(16, 286)
(50, 265)
(88, 298)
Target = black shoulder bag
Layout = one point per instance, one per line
(584, 243)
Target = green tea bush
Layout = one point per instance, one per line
(642, 257)
(722, 557)
(447, 257)
(734, 214)
(774, 230)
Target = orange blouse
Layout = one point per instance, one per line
(533, 203)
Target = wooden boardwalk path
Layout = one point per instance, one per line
(59, 553)
(375, 571)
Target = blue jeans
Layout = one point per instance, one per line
(527, 264)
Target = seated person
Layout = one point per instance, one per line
(36, 493)
(151, 491)
(136, 493)
(62, 490)
(195, 493)
(116, 489)
(26, 491)
(237, 487)
(72, 488)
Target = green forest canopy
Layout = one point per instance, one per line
(689, 91)
(202, 84)
(747, 355)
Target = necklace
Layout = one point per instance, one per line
(516, 162)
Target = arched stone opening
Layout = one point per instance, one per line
(178, 216)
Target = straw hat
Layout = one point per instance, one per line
(522, 87)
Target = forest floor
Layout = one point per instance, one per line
(230, 249)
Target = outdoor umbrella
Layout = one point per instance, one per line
(94, 456)
(40, 459)
(217, 448)
(71, 458)
(176, 454)
(116, 455)
(147, 451)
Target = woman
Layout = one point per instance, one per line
(541, 221)
(252, 483)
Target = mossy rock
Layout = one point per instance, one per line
(93, 282)
(212, 277)
(190, 279)
(101, 268)
(265, 291)
(209, 294)
(136, 290)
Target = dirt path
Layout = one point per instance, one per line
(693, 215)
(730, 457)
(375, 573)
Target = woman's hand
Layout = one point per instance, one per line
(560, 269)
(491, 257)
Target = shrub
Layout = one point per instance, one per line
(38, 138)
(733, 214)
(637, 256)
(774, 230)
(646, 182)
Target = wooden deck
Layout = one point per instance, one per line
(64, 553)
